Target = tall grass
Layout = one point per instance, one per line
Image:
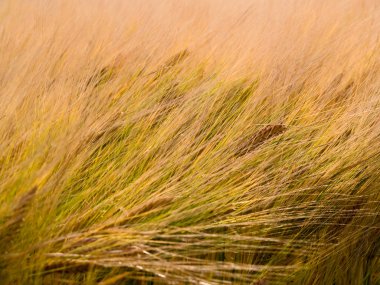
(189, 142)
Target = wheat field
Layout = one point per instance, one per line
(190, 142)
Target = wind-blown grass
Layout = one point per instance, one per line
(189, 142)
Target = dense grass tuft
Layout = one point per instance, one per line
(189, 142)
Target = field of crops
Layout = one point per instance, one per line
(190, 142)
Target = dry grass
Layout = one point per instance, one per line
(189, 142)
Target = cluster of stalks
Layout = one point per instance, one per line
(189, 142)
